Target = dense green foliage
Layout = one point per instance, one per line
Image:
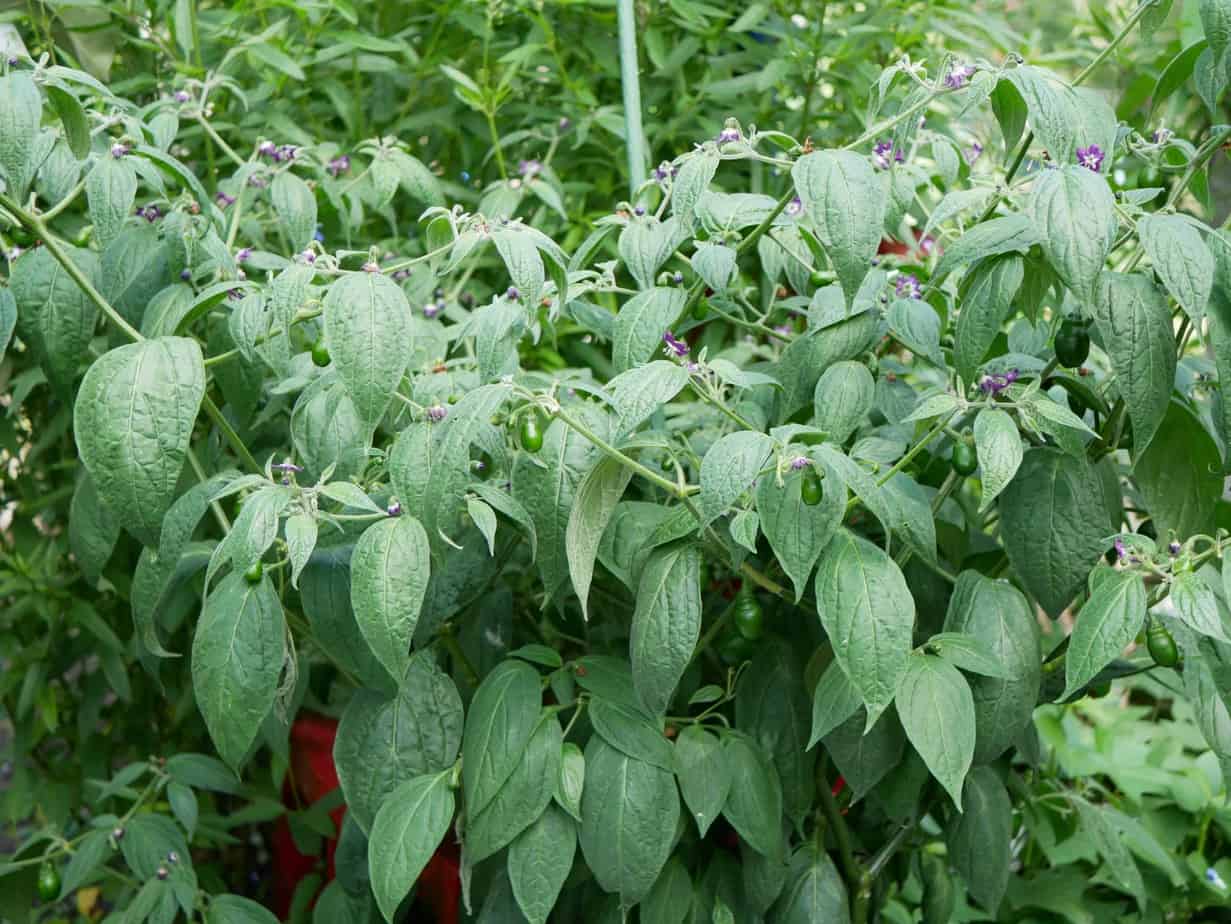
(827, 528)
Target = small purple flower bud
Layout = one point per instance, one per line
(1091, 158)
(150, 213)
(267, 149)
(117, 834)
(674, 345)
(185, 274)
(235, 295)
(907, 286)
(318, 235)
(973, 152)
(1173, 547)
(512, 294)
(13, 61)
(678, 278)
(401, 274)
(727, 135)
(371, 267)
(309, 257)
(663, 171)
(339, 165)
(1162, 135)
(242, 255)
(794, 207)
(692, 367)
(257, 181)
(223, 199)
(394, 509)
(800, 462)
(286, 479)
(437, 412)
(1011, 376)
(564, 124)
(882, 154)
(958, 75)
(639, 210)
(118, 150)
(182, 96)
(173, 857)
(287, 466)
(1212, 877)
(529, 168)
(430, 310)
(1121, 550)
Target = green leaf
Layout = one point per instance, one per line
(1006, 234)
(408, 829)
(133, 422)
(53, 315)
(938, 714)
(869, 615)
(1180, 491)
(8, 318)
(814, 893)
(670, 900)
(798, 532)
(834, 700)
(666, 623)
(1216, 23)
(844, 394)
(1197, 607)
(771, 705)
(546, 485)
(690, 182)
(806, 358)
(1076, 213)
(111, 191)
(1064, 118)
(728, 470)
(629, 812)
(235, 909)
(253, 532)
(999, 449)
(915, 324)
(1181, 259)
(539, 862)
(522, 260)
(572, 780)
(368, 333)
(522, 798)
(638, 393)
(626, 728)
(237, 656)
(92, 529)
(264, 53)
(987, 295)
(1108, 622)
(389, 574)
(21, 112)
(502, 717)
(1054, 525)
(72, 118)
(641, 323)
(845, 201)
(715, 264)
(1111, 847)
(295, 205)
(325, 591)
(704, 774)
(593, 506)
(968, 652)
(980, 838)
(645, 245)
(996, 613)
(1135, 327)
(382, 741)
(91, 852)
(754, 802)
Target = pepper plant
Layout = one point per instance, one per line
(755, 557)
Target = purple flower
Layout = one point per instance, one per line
(308, 256)
(564, 124)
(437, 412)
(992, 384)
(529, 168)
(1011, 376)
(512, 294)
(1091, 158)
(639, 210)
(674, 345)
(800, 462)
(118, 150)
(267, 149)
(394, 509)
(257, 181)
(927, 244)
(1212, 877)
(1121, 550)
(884, 154)
(285, 153)
(907, 286)
(371, 267)
(242, 255)
(678, 278)
(287, 466)
(958, 75)
(1173, 547)
(664, 171)
(182, 96)
(400, 275)
(430, 310)
(973, 152)
(150, 213)
(794, 207)
(339, 165)
(1162, 135)
(728, 134)
(235, 294)
(185, 274)
(223, 199)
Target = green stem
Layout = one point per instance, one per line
(857, 880)
(218, 140)
(495, 136)
(449, 640)
(630, 83)
(63, 203)
(628, 461)
(937, 429)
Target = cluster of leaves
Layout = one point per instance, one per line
(712, 536)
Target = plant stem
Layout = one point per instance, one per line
(218, 140)
(858, 882)
(628, 461)
(630, 82)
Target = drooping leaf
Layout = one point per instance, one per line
(389, 573)
(539, 861)
(53, 315)
(408, 828)
(596, 499)
(999, 449)
(704, 774)
(666, 623)
(1076, 212)
(979, 838)
(937, 711)
(502, 717)
(1181, 259)
(1110, 619)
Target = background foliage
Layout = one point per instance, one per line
(726, 549)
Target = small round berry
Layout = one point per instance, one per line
(512, 294)
(394, 509)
